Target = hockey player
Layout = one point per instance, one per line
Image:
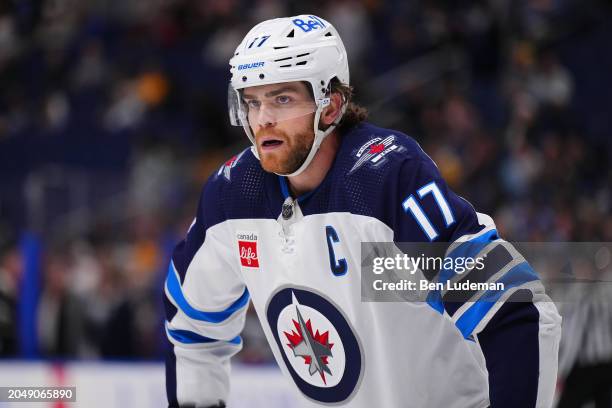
(281, 225)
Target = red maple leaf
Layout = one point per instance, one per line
(377, 148)
(296, 337)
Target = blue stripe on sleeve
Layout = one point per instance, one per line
(468, 248)
(189, 337)
(434, 299)
(496, 260)
(520, 274)
(176, 292)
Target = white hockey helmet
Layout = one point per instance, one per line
(300, 48)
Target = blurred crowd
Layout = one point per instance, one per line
(112, 116)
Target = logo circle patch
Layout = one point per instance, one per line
(317, 344)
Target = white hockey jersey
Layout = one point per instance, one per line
(299, 264)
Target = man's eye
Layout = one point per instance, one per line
(283, 99)
(253, 104)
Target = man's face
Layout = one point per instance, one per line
(281, 119)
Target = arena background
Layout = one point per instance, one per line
(113, 114)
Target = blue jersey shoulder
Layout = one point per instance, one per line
(368, 148)
(376, 173)
(230, 192)
(365, 175)
(235, 190)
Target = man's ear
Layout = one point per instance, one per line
(331, 112)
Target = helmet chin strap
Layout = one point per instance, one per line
(320, 135)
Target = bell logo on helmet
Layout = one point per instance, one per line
(309, 25)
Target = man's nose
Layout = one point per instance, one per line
(266, 117)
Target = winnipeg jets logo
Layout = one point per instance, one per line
(229, 165)
(314, 348)
(308, 338)
(374, 151)
(317, 344)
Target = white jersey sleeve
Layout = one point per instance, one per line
(206, 303)
(517, 329)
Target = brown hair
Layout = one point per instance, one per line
(355, 113)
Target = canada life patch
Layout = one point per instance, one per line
(317, 344)
(374, 151)
(247, 249)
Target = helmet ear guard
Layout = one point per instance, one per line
(293, 49)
